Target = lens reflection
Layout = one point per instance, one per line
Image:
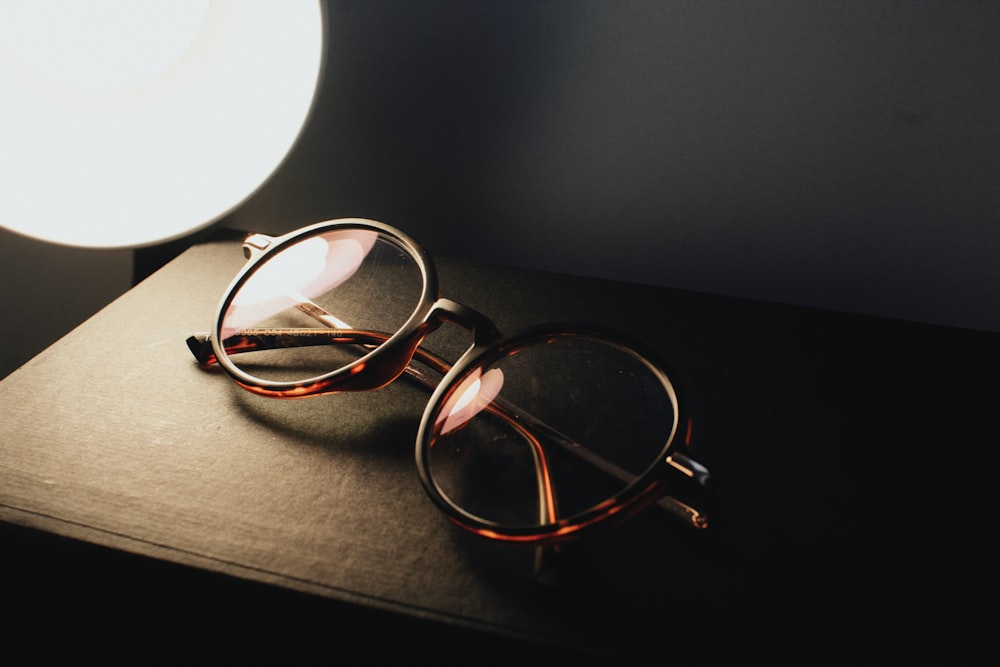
(296, 303)
(578, 419)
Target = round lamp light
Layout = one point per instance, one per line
(126, 123)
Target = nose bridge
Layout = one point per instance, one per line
(484, 331)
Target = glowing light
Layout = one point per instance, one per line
(131, 122)
(100, 45)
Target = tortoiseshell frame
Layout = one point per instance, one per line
(390, 355)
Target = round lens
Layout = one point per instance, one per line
(319, 304)
(545, 432)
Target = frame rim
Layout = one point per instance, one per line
(329, 382)
(635, 496)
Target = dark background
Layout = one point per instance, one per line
(842, 155)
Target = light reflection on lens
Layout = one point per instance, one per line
(582, 414)
(296, 275)
(357, 279)
(475, 393)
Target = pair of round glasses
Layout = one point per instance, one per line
(536, 437)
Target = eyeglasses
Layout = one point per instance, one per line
(535, 438)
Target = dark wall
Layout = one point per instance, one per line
(828, 153)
